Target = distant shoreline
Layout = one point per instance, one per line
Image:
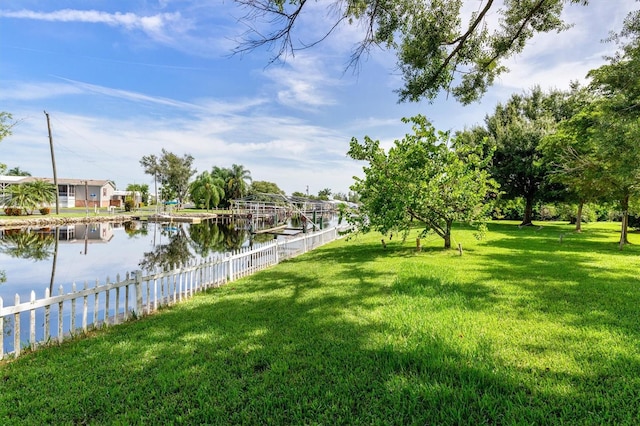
(40, 221)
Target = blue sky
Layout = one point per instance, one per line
(123, 79)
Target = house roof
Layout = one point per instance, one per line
(61, 181)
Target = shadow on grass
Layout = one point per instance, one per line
(287, 347)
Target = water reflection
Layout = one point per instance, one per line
(34, 259)
(174, 251)
(21, 244)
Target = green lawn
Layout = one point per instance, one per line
(520, 329)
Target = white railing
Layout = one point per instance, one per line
(55, 318)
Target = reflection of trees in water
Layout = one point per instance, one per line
(174, 252)
(3, 277)
(209, 237)
(134, 229)
(27, 244)
(202, 239)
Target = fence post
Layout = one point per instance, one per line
(116, 320)
(32, 322)
(47, 317)
(127, 280)
(60, 316)
(72, 329)
(230, 268)
(85, 309)
(138, 275)
(16, 328)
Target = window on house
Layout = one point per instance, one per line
(104, 192)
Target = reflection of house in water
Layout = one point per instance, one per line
(99, 232)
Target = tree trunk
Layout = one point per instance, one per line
(579, 217)
(625, 221)
(447, 235)
(528, 212)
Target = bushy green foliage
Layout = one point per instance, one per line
(511, 209)
(129, 204)
(420, 179)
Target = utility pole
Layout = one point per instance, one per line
(86, 197)
(53, 162)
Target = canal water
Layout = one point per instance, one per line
(36, 259)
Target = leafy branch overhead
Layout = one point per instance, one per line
(440, 45)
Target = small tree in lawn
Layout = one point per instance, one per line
(420, 179)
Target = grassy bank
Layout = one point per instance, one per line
(521, 329)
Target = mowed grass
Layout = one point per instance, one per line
(520, 329)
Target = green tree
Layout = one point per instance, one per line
(6, 124)
(143, 189)
(207, 190)
(571, 155)
(324, 194)
(237, 183)
(516, 130)
(151, 166)
(618, 127)
(421, 179)
(264, 187)
(17, 171)
(29, 196)
(436, 50)
(340, 196)
(172, 171)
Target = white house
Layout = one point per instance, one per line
(73, 192)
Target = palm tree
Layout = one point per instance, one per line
(207, 190)
(238, 183)
(43, 192)
(29, 195)
(17, 171)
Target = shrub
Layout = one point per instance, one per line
(12, 211)
(547, 212)
(509, 209)
(129, 204)
(45, 211)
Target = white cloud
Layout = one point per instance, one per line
(149, 24)
(29, 91)
(303, 82)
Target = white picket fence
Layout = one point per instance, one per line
(55, 318)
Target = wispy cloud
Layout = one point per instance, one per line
(29, 91)
(131, 96)
(149, 24)
(303, 83)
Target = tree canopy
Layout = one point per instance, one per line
(420, 179)
(207, 190)
(6, 124)
(440, 45)
(516, 130)
(264, 187)
(172, 171)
